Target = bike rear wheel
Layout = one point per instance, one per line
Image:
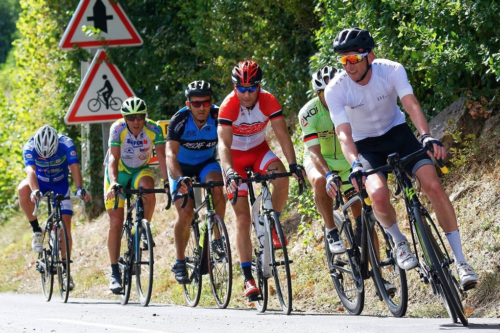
(94, 105)
(345, 270)
(144, 264)
(281, 265)
(126, 262)
(220, 263)
(386, 270)
(445, 282)
(192, 290)
(44, 266)
(62, 260)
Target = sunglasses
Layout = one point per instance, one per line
(198, 104)
(133, 117)
(353, 58)
(250, 89)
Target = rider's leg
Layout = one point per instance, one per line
(323, 202)
(114, 233)
(149, 200)
(67, 222)
(24, 192)
(182, 227)
(218, 193)
(280, 186)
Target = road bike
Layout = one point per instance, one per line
(372, 246)
(434, 263)
(136, 246)
(54, 259)
(94, 104)
(267, 259)
(208, 251)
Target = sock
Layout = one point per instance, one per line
(35, 226)
(278, 213)
(246, 267)
(115, 270)
(180, 261)
(395, 233)
(456, 245)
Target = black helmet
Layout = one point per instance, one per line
(198, 88)
(353, 40)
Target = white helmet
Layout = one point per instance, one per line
(46, 141)
(318, 78)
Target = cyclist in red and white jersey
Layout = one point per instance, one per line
(243, 118)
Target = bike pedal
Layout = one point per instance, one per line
(254, 298)
(469, 286)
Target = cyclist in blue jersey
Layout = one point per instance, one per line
(191, 144)
(48, 158)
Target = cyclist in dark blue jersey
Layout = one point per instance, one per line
(48, 158)
(191, 143)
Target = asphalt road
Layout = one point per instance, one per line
(30, 313)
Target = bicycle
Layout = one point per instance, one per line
(434, 265)
(54, 259)
(208, 251)
(94, 104)
(135, 259)
(348, 270)
(268, 260)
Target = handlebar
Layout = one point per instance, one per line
(209, 184)
(119, 189)
(50, 196)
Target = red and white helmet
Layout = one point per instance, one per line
(246, 72)
(46, 141)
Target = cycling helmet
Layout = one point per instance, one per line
(198, 88)
(46, 141)
(246, 73)
(134, 105)
(353, 40)
(318, 78)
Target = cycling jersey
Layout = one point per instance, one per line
(249, 124)
(196, 145)
(135, 152)
(55, 168)
(371, 109)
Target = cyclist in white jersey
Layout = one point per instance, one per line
(369, 124)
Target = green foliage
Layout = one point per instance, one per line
(9, 12)
(447, 47)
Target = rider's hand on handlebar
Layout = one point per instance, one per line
(233, 180)
(112, 191)
(434, 146)
(298, 172)
(357, 172)
(34, 195)
(82, 193)
(183, 185)
(332, 179)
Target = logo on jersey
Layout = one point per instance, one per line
(380, 98)
(73, 153)
(135, 143)
(129, 150)
(29, 156)
(356, 106)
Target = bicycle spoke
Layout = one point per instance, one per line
(220, 263)
(145, 264)
(192, 290)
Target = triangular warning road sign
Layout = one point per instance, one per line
(100, 95)
(109, 17)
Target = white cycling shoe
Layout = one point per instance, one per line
(406, 260)
(36, 242)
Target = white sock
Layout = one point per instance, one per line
(395, 233)
(456, 245)
(330, 229)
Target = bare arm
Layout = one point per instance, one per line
(77, 177)
(318, 160)
(344, 133)
(162, 161)
(114, 158)
(172, 162)
(279, 127)
(31, 176)
(225, 134)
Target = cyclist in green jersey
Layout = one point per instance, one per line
(323, 158)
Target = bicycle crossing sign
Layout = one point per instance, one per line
(100, 95)
(105, 15)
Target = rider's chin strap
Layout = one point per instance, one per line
(366, 72)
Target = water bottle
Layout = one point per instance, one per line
(52, 236)
(260, 231)
(202, 234)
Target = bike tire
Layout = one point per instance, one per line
(262, 284)
(62, 266)
(115, 103)
(94, 105)
(220, 267)
(126, 262)
(281, 266)
(447, 285)
(192, 290)
(350, 290)
(385, 267)
(44, 265)
(145, 265)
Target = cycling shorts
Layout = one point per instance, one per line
(373, 152)
(59, 188)
(258, 158)
(343, 174)
(123, 179)
(200, 171)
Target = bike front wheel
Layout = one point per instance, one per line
(281, 265)
(192, 290)
(220, 263)
(62, 260)
(345, 270)
(126, 262)
(144, 264)
(262, 284)
(389, 278)
(44, 265)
